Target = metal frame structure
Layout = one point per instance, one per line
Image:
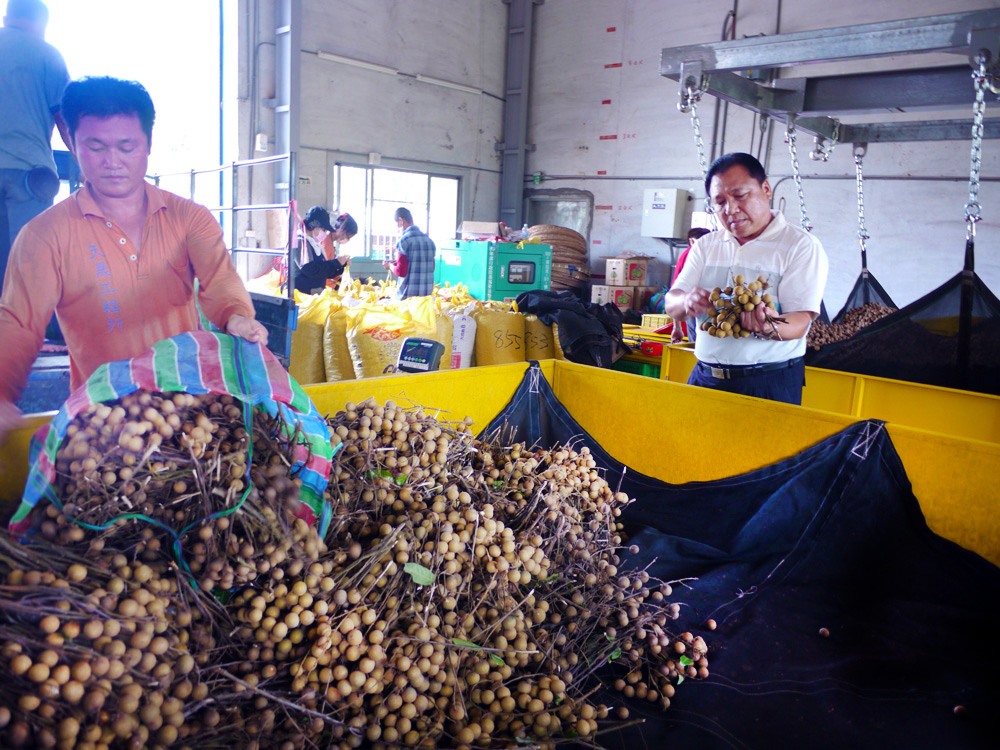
(716, 67)
(514, 149)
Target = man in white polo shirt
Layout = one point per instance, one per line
(754, 242)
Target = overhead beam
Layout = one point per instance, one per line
(947, 33)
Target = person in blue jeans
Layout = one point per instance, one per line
(765, 358)
(33, 77)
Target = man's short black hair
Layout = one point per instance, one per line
(28, 10)
(103, 97)
(696, 232)
(736, 159)
(404, 214)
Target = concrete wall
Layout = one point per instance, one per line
(348, 112)
(595, 72)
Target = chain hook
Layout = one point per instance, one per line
(860, 150)
(824, 146)
(972, 207)
(790, 137)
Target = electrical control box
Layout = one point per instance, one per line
(494, 270)
(666, 212)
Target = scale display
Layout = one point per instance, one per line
(419, 355)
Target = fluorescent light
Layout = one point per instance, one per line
(448, 84)
(356, 63)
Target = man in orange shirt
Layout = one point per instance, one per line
(116, 260)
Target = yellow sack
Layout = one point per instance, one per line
(426, 312)
(268, 283)
(444, 329)
(336, 353)
(499, 337)
(538, 342)
(559, 354)
(374, 337)
(306, 363)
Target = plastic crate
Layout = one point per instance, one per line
(652, 322)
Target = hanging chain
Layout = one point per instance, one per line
(690, 96)
(860, 149)
(972, 208)
(698, 142)
(790, 139)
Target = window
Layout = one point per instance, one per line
(372, 194)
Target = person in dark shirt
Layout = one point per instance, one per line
(312, 274)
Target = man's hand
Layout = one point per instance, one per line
(676, 334)
(386, 264)
(246, 328)
(344, 260)
(697, 302)
(10, 417)
(755, 320)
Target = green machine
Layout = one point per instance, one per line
(494, 270)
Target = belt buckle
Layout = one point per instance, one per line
(719, 372)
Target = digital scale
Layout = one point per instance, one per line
(419, 355)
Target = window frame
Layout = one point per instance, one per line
(365, 233)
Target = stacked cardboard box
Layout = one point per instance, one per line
(626, 284)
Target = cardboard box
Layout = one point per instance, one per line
(477, 230)
(620, 296)
(626, 271)
(643, 296)
(600, 293)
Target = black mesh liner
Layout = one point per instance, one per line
(831, 538)
(866, 290)
(929, 341)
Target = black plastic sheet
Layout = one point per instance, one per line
(928, 342)
(832, 538)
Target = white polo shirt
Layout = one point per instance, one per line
(795, 265)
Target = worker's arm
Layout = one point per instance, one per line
(10, 417)
(400, 267)
(63, 130)
(31, 290)
(223, 297)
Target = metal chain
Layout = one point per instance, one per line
(698, 142)
(860, 149)
(790, 139)
(690, 96)
(972, 208)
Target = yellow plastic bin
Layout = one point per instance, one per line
(664, 430)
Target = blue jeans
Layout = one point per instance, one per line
(17, 208)
(783, 385)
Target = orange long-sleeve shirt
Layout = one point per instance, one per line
(112, 301)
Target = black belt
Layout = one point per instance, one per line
(729, 372)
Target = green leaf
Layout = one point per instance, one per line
(616, 653)
(608, 637)
(680, 679)
(401, 479)
(420, 575)
(466, 644)
(497, 484)
(686, 660)
(524, 741)
(497, 661)
(558, 700)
